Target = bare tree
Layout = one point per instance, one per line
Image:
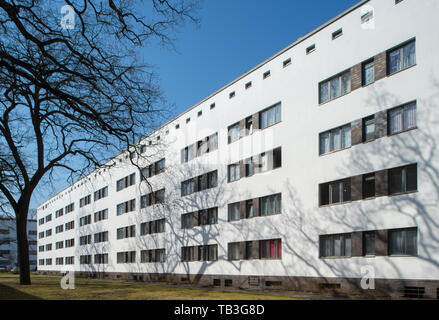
(77, 93)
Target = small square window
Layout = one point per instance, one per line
(150, 142)
(200, 113)
(266, 74)
(337, 34)
(158, 138)
(177, 126)
(231, 94)
(248, 85)
(310, 49)
(212, 106)
(188, 120)
(367, 16)
(397, 1)
(286, 62)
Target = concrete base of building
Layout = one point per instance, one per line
(343, 287)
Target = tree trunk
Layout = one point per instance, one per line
(22, 244)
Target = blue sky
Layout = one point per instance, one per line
(233, 37)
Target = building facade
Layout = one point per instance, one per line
(312, 171)
(8, 244)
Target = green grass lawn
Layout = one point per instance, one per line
(44, 287)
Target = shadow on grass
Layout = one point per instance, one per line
(9, 293)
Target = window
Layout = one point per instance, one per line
(85, 201)
(208, 252)
(369, 243)
(403, 242)
(271, 205)
(233, 172)
(336, 139)
(41, 221)
(59, 261)
(234, 212)
(233, 251)
(126, 232)
(125, 207)
(207, 216)
(402, 118)
(126, 182)
(188, 153)
(212, 142)
(248, 85)
(188, 120)
(271, 249)
(101, 193)
(401, 58)
(368, 72)
(177, 126)
(101, 237)
(85, 220)
(155, 255)
(101, 215)
(151, 227)
(187, 187)
(70, 208)
(84, 240)
(48, 233)
(70, 243)
(142, 148)
(49, 247)
(59, 245)
(338, 245)
(403, 179)
(249, 125)
(335, 192)
(249, 211)
(133, 155)
(200, 113)
(233, 132)
(59, 228)
(70, 225)
(266, 74)
(212, 179)
(231, 94)
(286, 62)
(101, 258)
(369, 186)
(335, 87)
(59, 213)
(212, 106)
(337, 34)
(187, 254)
(369, 129)
(126, 257)
(310, 49)
(271, 116)
(398, 1)
(48, 218)
(86, 259)
(367, 17)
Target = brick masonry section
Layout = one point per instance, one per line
(390, 288)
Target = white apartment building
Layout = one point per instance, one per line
(314, 169)
(8, 244)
